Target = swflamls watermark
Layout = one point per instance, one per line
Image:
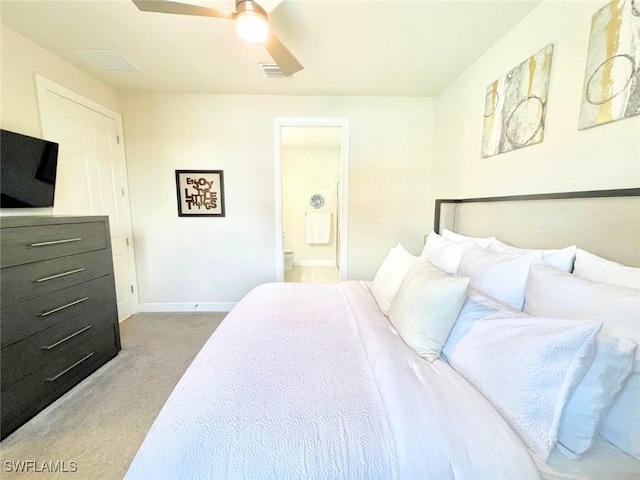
(40, 466)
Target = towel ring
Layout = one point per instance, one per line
(317, 201)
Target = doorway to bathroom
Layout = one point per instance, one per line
(311, 183)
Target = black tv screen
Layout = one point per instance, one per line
(28, 168)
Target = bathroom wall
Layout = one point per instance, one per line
(306, 171)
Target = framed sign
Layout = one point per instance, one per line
(200, 193)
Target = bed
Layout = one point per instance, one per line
(323, 381)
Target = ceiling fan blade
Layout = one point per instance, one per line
(269, 5)
(165, 6)
(283, 57)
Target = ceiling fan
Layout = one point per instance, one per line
(251, 23)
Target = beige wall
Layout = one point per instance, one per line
(603, 157)
(217, 260)
(21, 59)
(306, 171)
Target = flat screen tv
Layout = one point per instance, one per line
(28, 168)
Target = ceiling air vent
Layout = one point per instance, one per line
(271, 70)
(108, 60)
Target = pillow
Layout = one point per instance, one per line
(426, 307)
(526, 367)
(595, 394)
(597, 269)
(562, 259)
(553, 293)
(477, 306)
(389, 276)
(498, 275)
(444, 254)
(456, 237)
(621, 425)
(478, 296)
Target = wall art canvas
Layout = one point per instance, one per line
(612, 77)
(200, 193)
(515, 106)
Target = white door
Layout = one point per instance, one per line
(91, 177)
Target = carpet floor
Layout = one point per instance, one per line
(101, 423)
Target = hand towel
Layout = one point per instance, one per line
(318, 227)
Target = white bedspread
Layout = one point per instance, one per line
(311, 381)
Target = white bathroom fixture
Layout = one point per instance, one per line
(288, 260)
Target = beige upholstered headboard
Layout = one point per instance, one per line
(604, 222)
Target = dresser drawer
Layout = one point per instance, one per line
(22, 245)
(37, 351)
(22, 282)
(26, 318)
(24, 399)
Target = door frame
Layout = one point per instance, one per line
(42, 86)
(343, 240)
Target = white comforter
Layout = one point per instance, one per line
(311, 381)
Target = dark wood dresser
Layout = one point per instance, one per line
(58, 318)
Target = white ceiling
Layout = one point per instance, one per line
(357, 47)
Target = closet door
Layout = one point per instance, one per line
(91, 178)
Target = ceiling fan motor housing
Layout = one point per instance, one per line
(250, 6)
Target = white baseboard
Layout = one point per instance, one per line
(188, 307)
(314, 263)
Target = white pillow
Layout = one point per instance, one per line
(562, 259)
(477, 306)
(482, 242)
(498, 275)
(621, 425)
(595, 394)
(390, 275)
(553, 293)
(426, 307)
(597, 269)
(444, 254)
(527, 368)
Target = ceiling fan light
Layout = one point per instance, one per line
(252, 26)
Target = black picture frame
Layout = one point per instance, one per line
(200, 193)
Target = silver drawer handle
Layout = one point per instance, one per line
(44, 314)
(70, 272)
(53, 379)
(67, 338)
(55, 242)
